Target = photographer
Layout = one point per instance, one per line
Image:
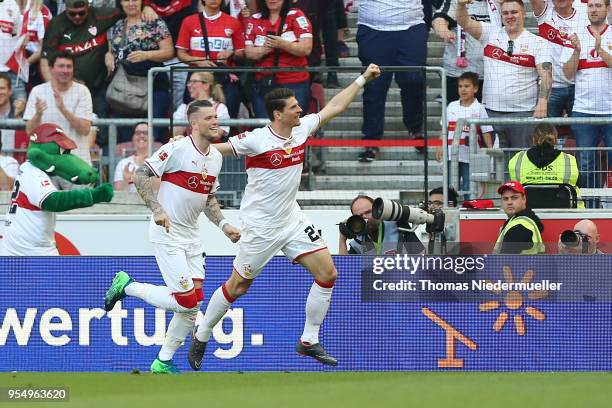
(583, 239)
(436, 197)
(379, 237)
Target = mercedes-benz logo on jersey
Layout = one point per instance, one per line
(552, 34)
(497, 53)
(193, 182)
(276, 159)
(594, 54)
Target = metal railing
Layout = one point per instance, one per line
(500, 155)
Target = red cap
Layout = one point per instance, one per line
(512, 185)
(52, 133)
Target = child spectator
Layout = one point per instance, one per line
(467, 107)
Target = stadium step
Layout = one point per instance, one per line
(381, 167)
(392, 96)
(345, 79)
(394, 109)
(354, 62)
(392, 123)
(349, 154)
(366, 183)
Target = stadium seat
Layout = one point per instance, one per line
(551, 196)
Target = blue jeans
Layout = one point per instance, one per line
(399, 48)
(560, 100)
(590, 136)
(302, 94)
(464, 178)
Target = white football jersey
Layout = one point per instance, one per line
(454, 112)
(188, 176)
(29, 230)
(593, 78)
(557, 31)
(511, 77)
(274, 169)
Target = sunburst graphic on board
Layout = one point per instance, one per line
(512, 305)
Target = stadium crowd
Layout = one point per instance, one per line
(59, 60)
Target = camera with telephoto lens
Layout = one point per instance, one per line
(389, 210)
(355, 225)
(573, 239)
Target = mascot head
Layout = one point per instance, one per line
(49, 151)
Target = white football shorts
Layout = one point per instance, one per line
(258, 245)
(180, 266)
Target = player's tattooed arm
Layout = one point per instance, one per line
(143, 180)
(213, 212)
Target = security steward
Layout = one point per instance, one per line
(521, 233)
(543, 164)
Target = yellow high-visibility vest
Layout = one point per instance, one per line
(538, 245)
(562, 170)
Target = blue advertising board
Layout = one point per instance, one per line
(52, 317)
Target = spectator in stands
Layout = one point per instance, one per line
(470, 58)
(290, 49)
(557, 20)
(465, 108)
(521, 233)
(329, 37)
(202, 87)
(392, 33)
(225, 46)
(139, 46)
(10, 139)
(240, 9)
(173, 13)
(65, 102)
(81, 31)
(590, 61)
(589, 237)
(124, 172)
(8, 171)
(10, 36)
(515, 60)
(381, 237)
(543, 164)
(36, 18)
(316, 12)
(342, 25)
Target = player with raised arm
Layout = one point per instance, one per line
(272, 219)
(188, 169)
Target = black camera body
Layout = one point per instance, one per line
(573, 239)
(354, 226)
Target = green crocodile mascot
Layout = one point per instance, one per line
(30, 222)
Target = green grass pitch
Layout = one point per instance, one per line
(318, 390)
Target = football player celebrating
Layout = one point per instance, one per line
(272, 219)
(188, 169)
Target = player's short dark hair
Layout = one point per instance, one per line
(469, 76)
(4, 75)
(452, 194)
(519, 2)
(196, 106)
(276, 99)
(361, 197)
(60, 55)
